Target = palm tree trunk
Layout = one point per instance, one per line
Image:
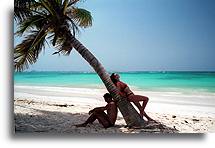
(130, 115)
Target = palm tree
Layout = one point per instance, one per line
(58, 21)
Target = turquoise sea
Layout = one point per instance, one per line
(150, 81)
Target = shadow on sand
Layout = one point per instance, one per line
(63, 122)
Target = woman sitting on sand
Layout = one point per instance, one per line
(125, 91)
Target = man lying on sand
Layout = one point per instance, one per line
(107, 120)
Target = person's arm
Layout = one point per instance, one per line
(98, 109)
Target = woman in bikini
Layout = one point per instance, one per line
(125, 91)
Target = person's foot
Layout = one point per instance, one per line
(81, 125)
(150, 120)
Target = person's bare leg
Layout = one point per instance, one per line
(142, 112)
(139, 107)
(103, 119)
(100, 116)
(136, 102)
(138, 98)
(91, 119)
(148, 118)
(145, 101)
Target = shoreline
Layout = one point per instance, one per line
(56, 109)
(196, 104)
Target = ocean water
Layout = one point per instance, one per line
(147, 81)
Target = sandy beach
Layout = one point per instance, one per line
(58, 109)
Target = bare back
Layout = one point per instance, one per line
(112, 111)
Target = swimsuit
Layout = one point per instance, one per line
(127, 91)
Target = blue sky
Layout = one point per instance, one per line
(143, 35)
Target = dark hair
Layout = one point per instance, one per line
(112, 77)
(107, 95)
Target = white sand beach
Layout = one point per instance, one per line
(58, 109)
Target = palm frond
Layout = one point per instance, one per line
(81, 16)
(46, 4)
(33, 21)
(73, 26)
(72, 2)
(59, 2)
(65, 5)
(22, 9)
(64, 46)
(56, 6)
(28, 51)
(57, 32)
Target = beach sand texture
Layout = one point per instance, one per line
(55, 111)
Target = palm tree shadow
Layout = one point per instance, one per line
(47, 121)
(64, 122)
(156, 127)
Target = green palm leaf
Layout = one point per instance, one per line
(82, 17)
(22, 9)
(73, 2)
(28, 51)
(73, 26)
(45, 4)
(64, 46)
(30, 23)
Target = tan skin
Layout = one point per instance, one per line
(136, 99)
(107, 120)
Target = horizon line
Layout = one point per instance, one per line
(133, 71)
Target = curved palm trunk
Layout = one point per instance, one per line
(132, 118)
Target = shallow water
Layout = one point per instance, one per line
(149, 81)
